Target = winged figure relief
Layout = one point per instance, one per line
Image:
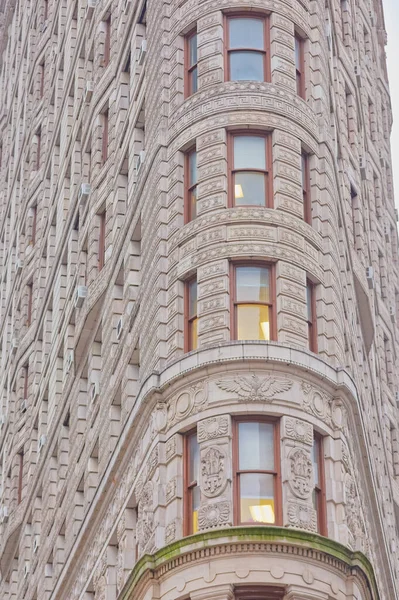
(255, 388)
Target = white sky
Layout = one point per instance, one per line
(391, 10)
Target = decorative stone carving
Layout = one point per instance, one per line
(298, 430)
(171, 488)
(187, 402)
(329, 410)
(353, 511)
(212, 428)
(214, 515)
(170, 532)
(145, 521)
(301, 473)
(254, 388)
(213, 472)
(171, 447)
(302, 516)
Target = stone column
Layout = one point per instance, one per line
(297, 474)
(214, 438)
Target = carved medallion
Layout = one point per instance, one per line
(301, 473)
(302, 516)
(299, 431)
(213, 472)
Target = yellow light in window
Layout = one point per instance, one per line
(238, 191)
(262, 514)
(265, 326)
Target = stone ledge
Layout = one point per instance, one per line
(281, 540)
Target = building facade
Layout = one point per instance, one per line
(199, 301)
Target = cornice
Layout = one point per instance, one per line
(265, 540)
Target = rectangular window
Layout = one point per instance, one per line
(247, 44)
(191, 325)
(257, 472)
(38, 148)
(319, 494)
(191, 58)
(259, 592)
(34, 224)
(250, 160)
(30, 303)
(101, 241)
(253, 302)
(107, 41)
(307, 202)
(190, 204)
(300, 66)
(26, 381)
(104, 143)
(41, 75)
(311, 314)
(20, 474)
(192, 495)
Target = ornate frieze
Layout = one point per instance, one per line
(255, 388)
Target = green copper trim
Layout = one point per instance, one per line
(304, 539)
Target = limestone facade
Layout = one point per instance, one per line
(100, 389)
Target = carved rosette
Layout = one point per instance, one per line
(213, 472)
(300, 473)
(299, 431)
(212, 515)
(212, 428)
(302, 516)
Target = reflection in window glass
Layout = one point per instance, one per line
(246, 49)
(249, 170)
(253, 303)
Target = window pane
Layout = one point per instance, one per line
(304, 172)
(309, 302)
(193, 333)
(315, 456)
(252, 284)
(298, 54)
(249, 189)
(257, 498)
(256, 446)
(246, 66)
(249, 152)
(196, 501)
(194, 459)
(193, 204)
(192, 47)
(192, 298)
(253, 322)
(246, 33)
(192, 163)
(193, 81)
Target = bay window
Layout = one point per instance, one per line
(191, 59)
(190, 204)
(191, 318)
(300, 66)
(311, 315)
(319, 501)
(250, 170)
(247, 43)
(253, 302)
(192, 495)
(257, 473)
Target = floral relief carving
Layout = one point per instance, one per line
(171, 447)
(353, 512)
(214, 515)
(171, 489)
(145, 521)
(213, 472)
(254, 388)
(301, 473)
(170, 532)
(212, 428)
(302, 516)
(299, 431)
